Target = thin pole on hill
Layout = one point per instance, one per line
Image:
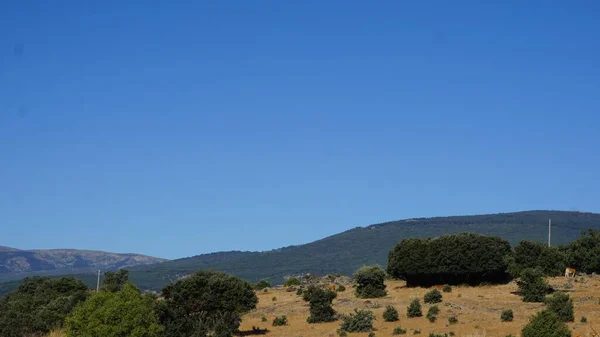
(549, 230)
(98, 282)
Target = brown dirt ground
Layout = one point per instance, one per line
(477, 309)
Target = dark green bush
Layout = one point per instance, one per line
(546, 324)
(370, 282)
(414, 309)
(341, 288)
(299, 291)
(417, 332)
(359, 321)
(452, 320)
(399, 331)
(507, 316)
(280, 320)
(562, 305)
(433, 296)
(262, 284)
(39, 305)
(584, 253)
(292, 281)
(450, 259)
(274, 299)
(432, 313)
(390, 314)
(371, 334)
(438, 335)
(532, 286)
(551, 261)
(583, 319)
(320, 304)
(447, 288)
(263, 319)
(431, 318)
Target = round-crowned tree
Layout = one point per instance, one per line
(124, 313)
(532, 285)
(370, 282)
(205, 303)
(320, 304)
(546, 324)
(562, 305)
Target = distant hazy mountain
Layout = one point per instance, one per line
(16, 263)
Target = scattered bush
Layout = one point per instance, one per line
(451, 333)
(551, 261)
(274, 299)
(320, 304)
(370, 282)
(292, 281)
(450, 259)
(452, 320)
(583, 254)
(279, 321)
(390, 314)
(583, 319)
(115, 281)
(546, 324)
(371, 334)
(115, 314)
(263, 319)
(507, 316)
(532, 286)
(447, 288)
(434, 296)
(299, 291)
(342, 333)
(262, 284)
(414, 309)
(562, 305)
(359, 321)
(341, 288)
(432, 313)
(438, 335)
(417, 332)
(431, 318)
(399, 331)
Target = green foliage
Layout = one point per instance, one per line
(342, 333)
(507, 316)
(115, 281)
(262, 284)
(390, 314)
(432, 313)
(205, 303)
(433, 296)
(546, 324)
(562, 305)
(299, 291)
(417, 332)
(341, 288)
(125, 313)
(583, 319)
(447, 288)
(452, 320)
(399, 331)
(532, 286)
(358, 321)
(39, 305)
(451, 259)
(274, 299)
(438, 335)
(320, 304)
(292, 281)
(414, 309)
(370, 282)
(371, 334)
(584, 253)
(279, 321)
(528, 254)
(263, 319)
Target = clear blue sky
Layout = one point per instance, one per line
(179, 128)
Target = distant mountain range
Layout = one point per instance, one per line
(345, 252)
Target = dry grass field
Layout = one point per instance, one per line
(478, 310)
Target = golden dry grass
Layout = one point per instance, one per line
(478, 311)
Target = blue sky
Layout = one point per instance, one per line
(179, 128)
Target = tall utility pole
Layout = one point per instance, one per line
(549, 230)
(98, 282)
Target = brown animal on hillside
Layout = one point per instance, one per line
(570, 272)
(332, 287)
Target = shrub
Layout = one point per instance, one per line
(434, 296)
(450, 259)
(399, 331)
(432, 312)
(431, 318)
(390, 314)
(115, 281)
(583, 254)
(274, 299)
(562, 305)
(292, 281)
(532, 286)
(115, 314)
(528, 254)
(39, 305)
(507, 316)
(370, 282)
(341, 288)
(299, 291)
(342, 333)
(546, 324)
(320, 304)
(583, 319)
(204, 303)
(262, 284)
(371, 334)
(359, 321)
(414, 309)
(417, 332)
(447, 288)
(452, 320)
(263, 319)
(438, 335)
(279, 321)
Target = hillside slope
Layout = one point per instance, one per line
(20, 263)
(345, 252)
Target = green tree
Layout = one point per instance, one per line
(546, 324)
(562, 305)
(359, 321)
(528, 254)
(390, 314)
(320, 304)
(39, 305)
(584, 253)
(414, 309)
(115, 281)
(262, 284)
(433, 296)
(205, 303)
(532, 286)
(370, 282)
(125, 313)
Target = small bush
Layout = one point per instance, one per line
(274, 299)
(390, 314)
(263, 319)
(370, 282)
(341, 288)
(371, 334)
(583, 319)
(507, 316)
(342, 333)
(451, 333)
(431, 318)
(434, 310)
(438, 335)
(417, 332)
(561, 304)
(447, 288)
(433, 296)
(399, 331)
(532, 286)
(452, 320)
(262, 284)
(359, 321)
(414, 309)
(320, 304)
(292, 281)
(299, 292)
(279, 321)
(546, 324)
